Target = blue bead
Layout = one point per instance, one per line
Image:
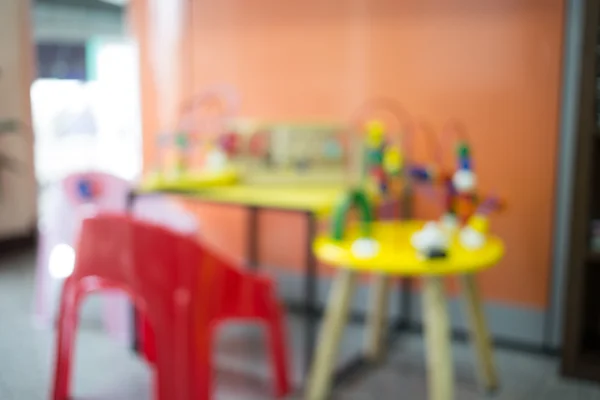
(464, 163)
(420, 174)
(383, 187)
(85, 190)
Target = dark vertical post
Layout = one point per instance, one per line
(406, 303)
(252, 239)
(130, 201)
(310, 293)
(134, 320)
(405, 292)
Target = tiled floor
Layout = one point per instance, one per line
(107, 371)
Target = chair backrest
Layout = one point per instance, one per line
(146, 260)
(103, 191)
(79, 195)
(152, 262)
(162, 211)
(87, 193)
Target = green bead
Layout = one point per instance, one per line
(463, 149)
(181, 140)
(374, 157)
(354, 198)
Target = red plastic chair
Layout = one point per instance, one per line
(182, 288)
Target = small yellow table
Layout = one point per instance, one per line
(395, 256)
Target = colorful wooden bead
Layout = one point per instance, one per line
(375, 134)
(229, 142)
(392, 161)
(464, 181)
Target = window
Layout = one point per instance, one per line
(62, 61)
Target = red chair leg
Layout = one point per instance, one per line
(165, 383)
(183, 369)
(67, 329)
(169, 373)
(203, 366)
(147, 341)
(278, 350)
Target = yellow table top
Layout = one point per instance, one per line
(189, 181)
(396, 256)
(319, 199)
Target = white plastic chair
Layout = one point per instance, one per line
(63, 208)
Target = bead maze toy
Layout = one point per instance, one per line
(464, 208)
(198, 153)
(380, 165)
(465, 211)
(292, 153)
(210, 147)
(381, 159)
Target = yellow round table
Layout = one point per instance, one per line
(395, 256)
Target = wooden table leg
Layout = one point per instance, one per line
(439, 354)
(377, 320)
(319, 382)
(479, 332)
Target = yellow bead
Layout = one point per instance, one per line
(392, 160)
(480, 223)
(375, 133)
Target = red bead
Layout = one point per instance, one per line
(230, 143)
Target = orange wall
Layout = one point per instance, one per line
(494, 65)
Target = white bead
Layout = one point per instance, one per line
(471, 239)
(449, 222)
(364, 248)
(216, 161)
(431, 237)
(464, 180)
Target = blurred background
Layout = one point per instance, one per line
(90, 83)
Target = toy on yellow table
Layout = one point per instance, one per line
(432, 241)
(197, 154)
(464, 209)
(383, 127)
(383, 160)
(393, 161)
(384, 163)
(473, 234)
(365, 245)
(274, 152)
